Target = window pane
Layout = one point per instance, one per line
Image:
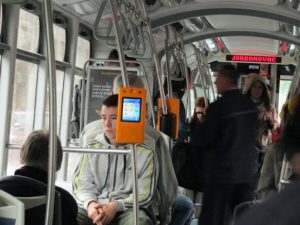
(59, 34)
(59, 96)
(29, 31)
(0, 19)
(23, 101)
(76, 105)
(22, 117)
(82, 52)
(284, 87)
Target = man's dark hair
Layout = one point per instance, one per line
(111, 101)
(229, 71)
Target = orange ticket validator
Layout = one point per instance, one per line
(173, 105)
(131, 115)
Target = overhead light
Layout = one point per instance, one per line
(292, 47)
(210, 44)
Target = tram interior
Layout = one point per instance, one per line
(198, 34)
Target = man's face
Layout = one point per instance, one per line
(109, 121)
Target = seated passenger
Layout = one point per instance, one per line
(166, 198)
(34, 155)
(288, 144)
(103, 183)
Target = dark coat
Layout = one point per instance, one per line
(227, 137)
(69, 206)
(281, 209)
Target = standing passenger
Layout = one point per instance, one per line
(257, 91)
(199, 110)
(103, 183)
(34, 156)
(227, 137)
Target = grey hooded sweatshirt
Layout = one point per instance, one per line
(104, 178)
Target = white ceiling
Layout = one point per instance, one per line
(247, 45)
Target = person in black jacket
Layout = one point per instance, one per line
(227, 139)
(34, 156)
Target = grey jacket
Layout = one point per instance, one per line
(270, 173)
(105, 178)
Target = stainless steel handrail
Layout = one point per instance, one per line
(83, 150)
(200, 71)
(52, 102)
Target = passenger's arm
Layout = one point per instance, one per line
(84, 187)
(266, 183)
(147, 179)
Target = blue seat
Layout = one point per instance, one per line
(242, 208)
(33, 194)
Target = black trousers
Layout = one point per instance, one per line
(219, 201)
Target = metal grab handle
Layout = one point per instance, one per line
(52, 104)
(283, 174)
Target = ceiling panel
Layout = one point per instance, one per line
(235, 21)
(266, 2)
(251, 45)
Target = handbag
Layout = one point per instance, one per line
(188, 166)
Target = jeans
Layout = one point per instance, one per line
(183, 210)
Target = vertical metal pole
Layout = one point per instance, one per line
(150, 103)
(204, 60)
(200, 70)
(156, 61)
(273, 82)
(295, 81)
(187, 79)
(283, 180)
(119, 43)
(52, 131)
(170, 94)
(126, 84)
(135, 186)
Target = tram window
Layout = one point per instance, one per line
(28, 31)
(60, 75)
(1, 19)
(82, 52)
(59, 42)
(284, 87)
(23, 101)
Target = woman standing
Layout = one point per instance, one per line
(257, 90)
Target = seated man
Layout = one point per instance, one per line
(103, 183)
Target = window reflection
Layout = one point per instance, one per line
(82, 52)
(59, 97)
(59, 34)
(28, 31)
(23, 101)
(1, 19)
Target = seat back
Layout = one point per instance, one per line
(11, 210)
(242, 208)
(33, 194)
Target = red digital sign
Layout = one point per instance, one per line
(253, 59)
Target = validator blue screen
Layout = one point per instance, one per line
(131, 109)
